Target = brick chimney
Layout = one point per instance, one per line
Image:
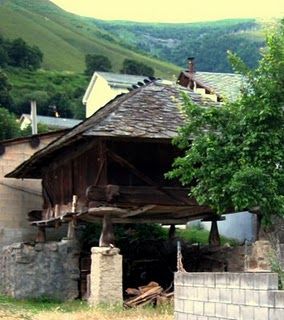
(191, 65)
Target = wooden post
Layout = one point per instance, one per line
(107, 235)
(41, 235)
(172, 231)
(71, 234)
(214, 236)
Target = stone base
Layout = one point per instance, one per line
(106, 276)
(51, 269)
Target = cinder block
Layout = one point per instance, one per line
(266, 298)
(238, 296)
(209, 309)
(198, 280)
(246, 313)
(209, 280)
(276, 314)
(246, 281)
(221, 310)
(233, 280)
(181, 316)
(251, 298)
(202, 294)
(179, 305)
(193, 293)
(202, 318)
(221, 280)
(233, 312)
(179, 291)
(198, 308)
(188, 306)
(265, 281)
(178, 278)
(214, 294)
(226, 295)
(187, 292)
(261, 313)
(187, 279)
(279, 299)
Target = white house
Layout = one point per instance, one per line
(51, 122)
(105, 86)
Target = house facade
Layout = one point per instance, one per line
(105, 86)
(50, 122)
(213, 85)
(18, 197)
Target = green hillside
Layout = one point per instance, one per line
(207, 41)
(65, 38)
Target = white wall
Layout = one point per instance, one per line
(240, 226)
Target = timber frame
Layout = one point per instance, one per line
(113, 164)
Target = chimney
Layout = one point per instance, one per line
(33, 117)
(191, 65)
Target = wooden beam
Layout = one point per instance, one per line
(101, 178)
(140, 195)
(124, 163)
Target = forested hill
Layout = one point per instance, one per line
(208, 42)
(66, 38)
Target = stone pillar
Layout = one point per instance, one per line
(259, 259)
(106, 276)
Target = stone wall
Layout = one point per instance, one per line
(40, 270)
(259, 256)
(18, 196)
(222, 296)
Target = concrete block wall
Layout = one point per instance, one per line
(224, 296)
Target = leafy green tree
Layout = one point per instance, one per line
(5, 88)
(233, 155)
(135, 67)
(96, 62)
(24, 56)
(9, 127)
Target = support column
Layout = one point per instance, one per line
(106, 276)
(214, 236)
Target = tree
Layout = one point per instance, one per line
(9, 127)
(5, 88)
(135, 67)
(96, 62)
(24, 56)
(233, 155)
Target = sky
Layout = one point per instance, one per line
(174, 10)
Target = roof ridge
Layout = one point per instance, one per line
(73, 133)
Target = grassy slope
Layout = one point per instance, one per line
(65, 38)
(174, 42)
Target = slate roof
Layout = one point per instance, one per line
(62, 123)
(115, 80)
(118, 80)
(225, 85)
(151, 111)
